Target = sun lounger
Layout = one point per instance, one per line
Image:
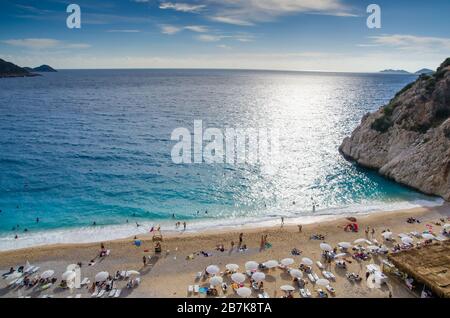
(123, 274)
(330, 289)
(13, 282)
(190, 289)
(315, 276)
(263, 295)
(95, 293)
(112, 292)
(320, 265)
(85, 281)
(101, 293)
(69, 297)
(311, 278)
(117, 294)
(308, 293)
(78, 296)
(303, 293)
(196, 289)
(19, 281)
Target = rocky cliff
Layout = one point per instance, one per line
(408, 140)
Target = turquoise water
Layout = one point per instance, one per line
(78, 147)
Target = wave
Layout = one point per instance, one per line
(111, 232)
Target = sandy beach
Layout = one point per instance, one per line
(170, 273)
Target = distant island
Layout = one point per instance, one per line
(425, 71)
(8, 69)
(44, 68)
(390, 71)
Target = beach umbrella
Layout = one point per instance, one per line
(132, 272)
(325, 247)
(251, 266)
(387, 235)
(340, 255)
(258, 276)
(287, 261)
(101, 277)
(351, 219)
(407, 240)
(232, 267)
(323, 282)
(296, 273)
(287, 288)
(138, 243)
(428, 236)
(360, 240)
(216, 281)
(271, 264)
(212, 269)
(48, 274)
(244, 292)
(345, 244)
(307, 261)
(238, 278)
(68, 276)
(446, 226)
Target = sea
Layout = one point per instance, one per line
(85, 155)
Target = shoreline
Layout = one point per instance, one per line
(171, 272)
(101, 233)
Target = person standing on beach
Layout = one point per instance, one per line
(282, 221)
(37, 220)
(300, 228)
(184, 226)
(144, 260)
(373, 232)
(241, 237)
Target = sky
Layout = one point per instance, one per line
(309, 35)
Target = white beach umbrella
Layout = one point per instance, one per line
(212, 269)
(407, 240)
(251, 266)
(258, 276)
(323, 282)
(387, 235)
(47, 274)
(296, 273)
(287, 288)
(345, 244)
(215, 281)
(232, 267)
(131, 273)
(271, 264)
(287, 261)
(307, 261)
(359, 241)
(325, 247)
(428, 236)
(446, 226)
(101, 277)
(238, 278)
(68, 276)
(244, 292)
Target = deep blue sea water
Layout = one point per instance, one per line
(84, 146)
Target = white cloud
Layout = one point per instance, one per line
(170, 29)
(183, 7)
(43, 43)
(248, 12)
(209, 38)
(224, 46)
(411, 42)
(196, 28)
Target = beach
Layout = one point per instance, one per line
(170, 273)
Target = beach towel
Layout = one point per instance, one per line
(203, 290)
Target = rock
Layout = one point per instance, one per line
(408, 140)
